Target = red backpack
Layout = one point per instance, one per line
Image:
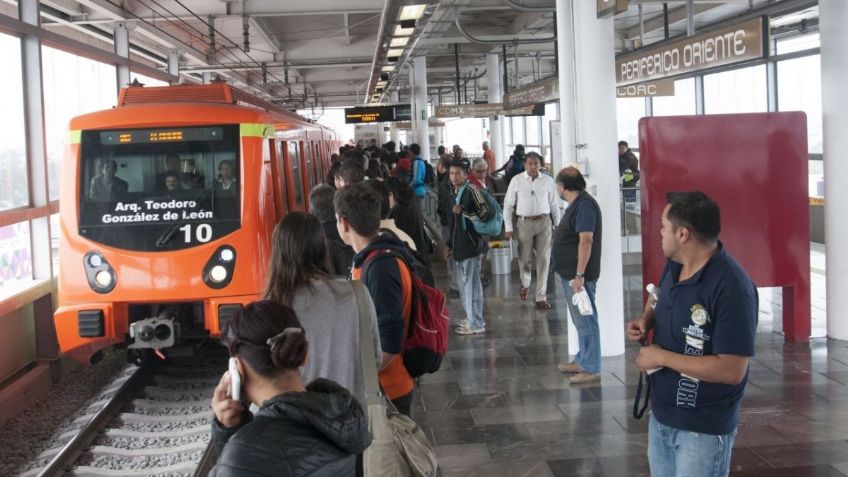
(426, 340)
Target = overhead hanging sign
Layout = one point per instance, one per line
(378, 114)
(487, 110)
(606, 7)
(663, 87)
(541, 91)
(737, 43)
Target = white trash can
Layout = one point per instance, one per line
(501, 260)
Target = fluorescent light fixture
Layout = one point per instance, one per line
(399, 42)
(394, 52)
(400, 31)
(388, 68)
(412, 12)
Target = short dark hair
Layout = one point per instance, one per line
(440, 150)
(415, 149)
(537, 156)
(321, 203)
(354, 156)
(358, 204)
(697, 212)
(460, 164)
(390, 146)
(351, 173)
(571, 179)
(623, 143)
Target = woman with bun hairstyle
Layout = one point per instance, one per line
(313, 430)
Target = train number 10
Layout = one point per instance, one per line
(203, 232)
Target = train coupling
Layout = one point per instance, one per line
(156, 333)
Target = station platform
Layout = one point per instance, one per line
(499, 406)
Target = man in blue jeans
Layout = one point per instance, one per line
(704, 323)
(577, 259)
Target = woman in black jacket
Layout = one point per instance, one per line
(314, 430)
(408, 217)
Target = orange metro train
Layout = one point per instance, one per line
(168, 203)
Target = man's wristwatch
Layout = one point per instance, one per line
(579, 275)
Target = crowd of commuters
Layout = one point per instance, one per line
(295, 348)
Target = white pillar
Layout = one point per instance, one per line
(834, 69)
(122, 49)
(174, 64)
(493, 80)
(587, 101)
(422, 114)
(207, 78)
(393, 131)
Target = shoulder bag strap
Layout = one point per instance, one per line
(366, 344)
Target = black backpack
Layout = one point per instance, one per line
(429, 174)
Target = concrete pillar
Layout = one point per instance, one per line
(493, 79)
(587, 100)
(174, 64)
(122, 49)
(207, 78)
(420, 111)
(833, 14)
(393, 131)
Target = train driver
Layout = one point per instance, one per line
(105, 185)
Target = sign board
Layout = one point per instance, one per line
(541, 91)
(733, 44)
(487, 110)
(614, 7)
(378, 114)
(663, 87)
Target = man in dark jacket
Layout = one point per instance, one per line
(465, 245)
(321, 206)
(444, 212)
(628, 169)
(577, 260)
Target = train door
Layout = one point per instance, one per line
(308, 180)
(295, 180)
(319, 162)
(268, 206)
(278, 178)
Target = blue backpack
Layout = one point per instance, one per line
(493, 224)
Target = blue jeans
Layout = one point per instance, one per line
(471, 290)
(588, 332)
(673, 452)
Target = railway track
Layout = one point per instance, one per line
(153, 420)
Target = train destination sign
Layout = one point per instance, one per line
(737, 43)
(663, 87)
(146, 136)
(487, 110)
(541, 91)
(378, 114)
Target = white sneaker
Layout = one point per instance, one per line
(467, 330)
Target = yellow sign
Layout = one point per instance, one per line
(816, 200)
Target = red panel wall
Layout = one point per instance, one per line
(755, 167)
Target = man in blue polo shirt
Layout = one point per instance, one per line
(704, 324)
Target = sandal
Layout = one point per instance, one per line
(523, 292)
(543, 305)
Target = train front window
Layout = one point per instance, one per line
(159, 189)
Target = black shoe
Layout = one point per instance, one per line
(451, 293)
(485, 282)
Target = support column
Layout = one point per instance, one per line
(422, 114)
(834, 69)
(587, 98)
(207, 78)
(174, 64)
(122, 49)
(393, 132)
(493, 79)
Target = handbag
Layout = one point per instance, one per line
(398, 447)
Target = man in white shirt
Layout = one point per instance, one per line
(532, 197)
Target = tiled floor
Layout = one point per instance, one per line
(500, 408)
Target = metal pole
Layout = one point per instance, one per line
(665, 20)
(456, 67)
(690, 17)
(505, 75)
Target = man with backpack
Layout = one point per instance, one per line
(533, 198)
(423, 179)
(465, 245)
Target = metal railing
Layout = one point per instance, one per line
(631, 211)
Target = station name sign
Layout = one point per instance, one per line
(541, 91)
(378, 114)
(737, 43)
(487, 110)
(663, 87)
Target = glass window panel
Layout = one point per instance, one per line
(550, 115)
(628, 113)
(799, 89)
(146, 80)
(533, 135)
(73, 85)
(468, 133)
(518, 130)
(15, 259)
(736, 91)
(14, 190)
(798, 43)
(682, 103)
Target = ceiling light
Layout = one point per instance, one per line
(401, 31)
(412, 12)
(388, 68)
(399, 42)
(394, 52)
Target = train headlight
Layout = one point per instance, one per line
(218, 274)
(103, 278)
(218, 271)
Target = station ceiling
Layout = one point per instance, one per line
(325, 53)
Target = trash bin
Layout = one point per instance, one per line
(501, 260)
